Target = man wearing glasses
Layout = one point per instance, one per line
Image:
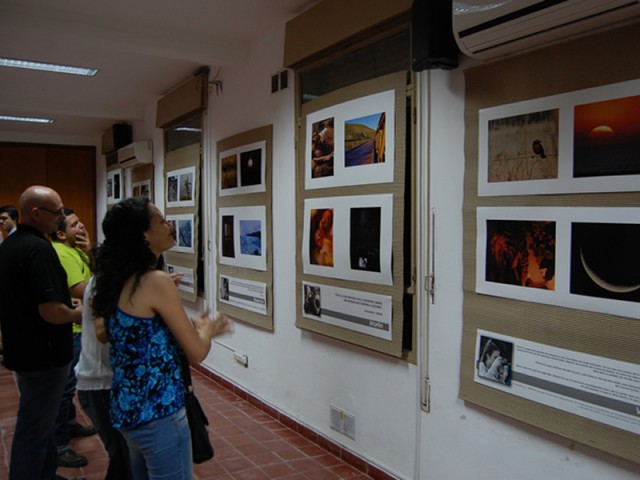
(37, 313)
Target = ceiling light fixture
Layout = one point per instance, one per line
(11, 118)
(47, 67)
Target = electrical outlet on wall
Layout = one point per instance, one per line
(343, 422)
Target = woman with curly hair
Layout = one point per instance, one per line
(146, 326)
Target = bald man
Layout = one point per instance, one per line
(37, 314)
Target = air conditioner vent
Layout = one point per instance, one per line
(488, 29)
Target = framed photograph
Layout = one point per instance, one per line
(183, 227)
(181, 187)
(243, 237)
(576, 257)
(581, 141)
(115, 186)
(141, 189)
(242, 169)
(349, 238)
(351, 143)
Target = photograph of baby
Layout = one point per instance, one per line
(495, 360)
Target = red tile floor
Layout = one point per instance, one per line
(249, 443)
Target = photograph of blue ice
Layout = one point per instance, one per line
(251, 237)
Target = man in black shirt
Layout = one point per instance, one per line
(37, 314)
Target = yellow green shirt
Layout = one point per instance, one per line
(76, 263)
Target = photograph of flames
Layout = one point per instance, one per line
(521, 253)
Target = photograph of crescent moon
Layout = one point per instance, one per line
(605, 260)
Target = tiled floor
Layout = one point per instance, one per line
(249, 443)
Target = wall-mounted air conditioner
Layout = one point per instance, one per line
(488, 29)
(136, 153)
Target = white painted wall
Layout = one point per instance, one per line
(301, 374)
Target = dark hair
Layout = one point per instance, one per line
(11, 210)
(62, 224)
(124, 253)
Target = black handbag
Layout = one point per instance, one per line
(201, 447)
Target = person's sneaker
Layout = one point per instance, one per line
(71, 459)
(78, 430)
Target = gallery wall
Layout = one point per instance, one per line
(301, 374)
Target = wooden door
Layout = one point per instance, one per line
(70, 170)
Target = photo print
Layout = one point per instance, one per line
(522, 253)
(349, 237)
(181, 187)
(228, 242)
(183, 228)
(574, 257)
(580, 141)
(364, 140)
(364, 239)
(322, 148)
(251, 237)
(115, 186)
(242, 237)
(229, 171)
(495, 360)
(351, 143)
(312, 305)
(321, 237)
(523, 147)
(141, 189)
(242, 169)
(605, 260)
(251, 167)
(607, 138)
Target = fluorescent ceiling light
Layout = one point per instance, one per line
(47, 67)
(11, 118)
(188, 129)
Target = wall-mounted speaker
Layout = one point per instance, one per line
(432, 42)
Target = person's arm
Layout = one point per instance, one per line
(58, 313)
(77, 291)
(194, 335)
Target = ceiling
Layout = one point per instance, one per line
(142, 49)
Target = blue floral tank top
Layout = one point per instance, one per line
(147, 381)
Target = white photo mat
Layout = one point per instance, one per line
(240, 162)
(572, 271)
(180, 186)
(184, 227)
(341, 114)
(243, 238)
(347, 263)
(559, 145)
(141, 188)
(115, 186)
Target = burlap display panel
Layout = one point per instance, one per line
(398, 83)
(243, 200)
(559, 69)
(182, 158)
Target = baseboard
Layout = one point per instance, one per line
(323, 442)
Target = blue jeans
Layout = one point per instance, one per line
(161, 449)
(67, 410)
(33, 452)
(95, 404)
